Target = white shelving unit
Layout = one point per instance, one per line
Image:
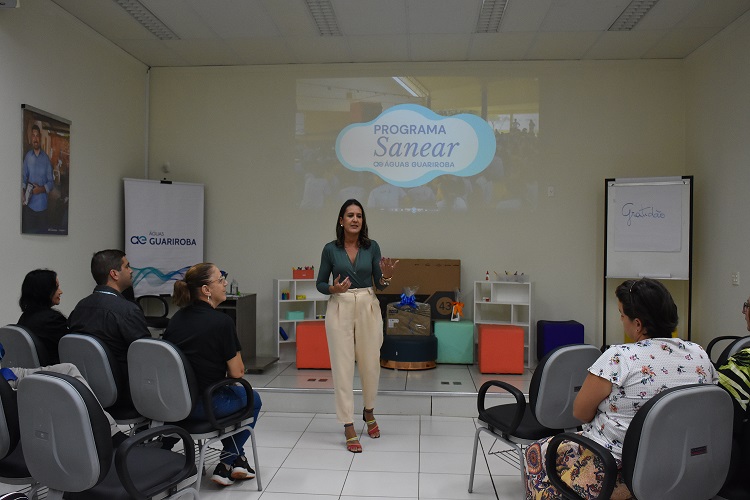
(312, 307)
(506, 303)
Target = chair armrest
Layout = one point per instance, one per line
(133, 441)
(517, 394)
(715, 340)
(610, 466)
(236, 417)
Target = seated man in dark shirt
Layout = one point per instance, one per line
(106, 314)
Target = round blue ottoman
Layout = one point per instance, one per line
(408, 352)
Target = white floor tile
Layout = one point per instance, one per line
(386, 461)
(277, 439)
(450, 463)
(268, 423)
(313, 481)
(446, 444)
(304, 458)
(270, 457)
(447, 426)
(385, 484)
(456, 487)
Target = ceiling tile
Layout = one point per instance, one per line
(715, 13)
(291, 17)
(439, 47)
(500, 46)
(204, 52)
(153, 53)
(262, 50)
(525, 16)
(557, 46)
(180, 17)
(392, 48)
(365, 17)
(106, 18)
(666, 14)
(443, 16)
(583, 15)
(319, 50)
(235, 18)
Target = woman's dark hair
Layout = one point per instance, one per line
(364, 239)
(649, 301)
(37, 289)
(187, 290)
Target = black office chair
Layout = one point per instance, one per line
(97, 365)
(23, 349)
(554, 386)
(737, 344)
(68, 447)
(676, 447)
(164, 389)
(13, 469)
(147, 302)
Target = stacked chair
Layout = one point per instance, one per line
(97, 365)
(13, 469)
(554, 386)
(67, 443)
(23, 349)
(677, 447)
(164, 389)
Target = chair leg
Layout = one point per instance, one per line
(255, 459)
(474, 458)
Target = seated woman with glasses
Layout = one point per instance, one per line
(618, 384)
(208, 338)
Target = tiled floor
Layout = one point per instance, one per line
(303, 457)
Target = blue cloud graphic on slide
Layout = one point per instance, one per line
(409, 145)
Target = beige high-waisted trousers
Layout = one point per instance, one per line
(354, 328)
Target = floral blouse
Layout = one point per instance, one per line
(638, 372)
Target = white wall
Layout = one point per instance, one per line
(50, 61)
(233, 129)
(718, 151)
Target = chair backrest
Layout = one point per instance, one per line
(147, 302)
(678, 445)
(162, 382)
(64, 433)
(556, 382)
(737, 345)
(9, 433)
(23, 349)
(96, 364)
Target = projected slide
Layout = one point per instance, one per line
(417, 144)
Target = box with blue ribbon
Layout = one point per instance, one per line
(408, 317)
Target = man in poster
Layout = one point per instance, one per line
(36, 184)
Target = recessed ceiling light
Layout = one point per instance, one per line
(491, 16)
(147, 19)
(324, 17)
(632, 14)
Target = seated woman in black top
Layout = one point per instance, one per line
(39, 292)
(208, 339)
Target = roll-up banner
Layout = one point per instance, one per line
(163, 232)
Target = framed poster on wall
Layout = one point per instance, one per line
(45, 172)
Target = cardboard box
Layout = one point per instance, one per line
(407, 320)
(303, 274)
(437, 280)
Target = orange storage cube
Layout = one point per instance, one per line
(500, 349)
(312, 345)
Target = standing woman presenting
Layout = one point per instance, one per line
(354, 324)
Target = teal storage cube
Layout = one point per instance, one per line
(455, 341)
(295, 315)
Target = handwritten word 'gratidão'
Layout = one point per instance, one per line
(642, 213)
